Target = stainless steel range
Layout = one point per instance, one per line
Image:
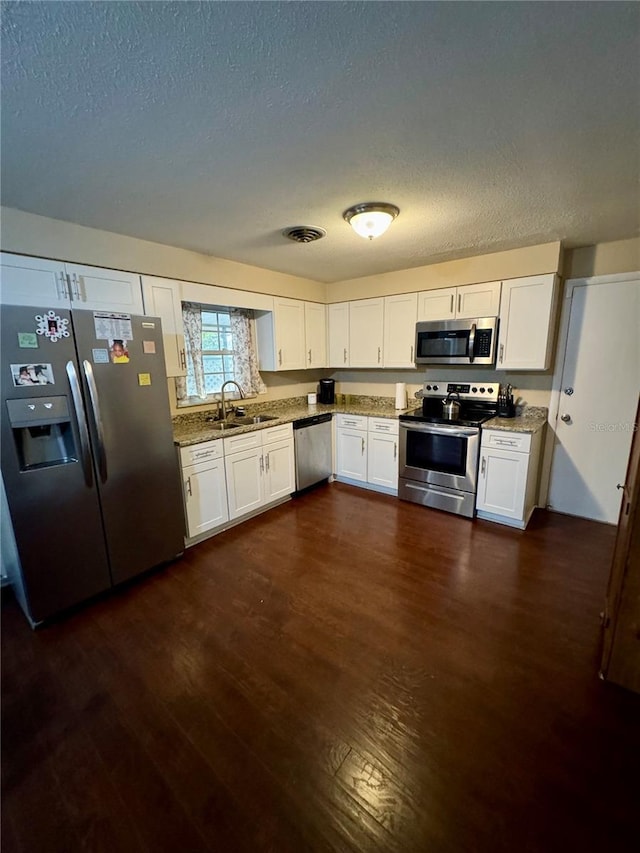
(439, 456)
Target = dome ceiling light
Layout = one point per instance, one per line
(372, 218)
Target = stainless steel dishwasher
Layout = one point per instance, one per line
(312, 438)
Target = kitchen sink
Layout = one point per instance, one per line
(220, 426)
(246, 420)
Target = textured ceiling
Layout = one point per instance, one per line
(213, 126)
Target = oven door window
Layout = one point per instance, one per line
(436, 452)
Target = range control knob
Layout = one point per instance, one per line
(428, 387)
(481, 390)
(474, 389)
(490, 390)
(435, 387)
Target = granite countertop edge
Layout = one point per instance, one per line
(530, 419)
(195, 429)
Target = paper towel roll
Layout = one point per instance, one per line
(401, 395)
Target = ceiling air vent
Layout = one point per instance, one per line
(304, 233)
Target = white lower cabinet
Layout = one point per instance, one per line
(367, 451)
(204, 487)
(508, 476)
(382, 457)
(259, 468)
(245, 490)
(351, 447)
(226, 479)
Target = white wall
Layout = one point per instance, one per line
(28, 234)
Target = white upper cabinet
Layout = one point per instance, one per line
(527, 322)
(465, 302)
(44, 284)
(315, 329)
(400, 313)
(366, 332)
(162, 298)
(33, 281)
(98, 289)
(338, 335)
(281, 336)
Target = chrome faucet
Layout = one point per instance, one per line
(222, 409)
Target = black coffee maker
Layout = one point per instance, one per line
(327, 391)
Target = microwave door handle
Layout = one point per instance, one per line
(472, 343)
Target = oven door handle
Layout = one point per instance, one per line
(471, 349)
(454, 432)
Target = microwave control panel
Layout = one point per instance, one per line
(482, 347)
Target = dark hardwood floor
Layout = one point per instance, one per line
(347, 672)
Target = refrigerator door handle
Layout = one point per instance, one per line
(97, 419)
(76, 396)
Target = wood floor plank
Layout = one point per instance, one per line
(347, 673)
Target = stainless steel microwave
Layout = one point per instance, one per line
(457, 341)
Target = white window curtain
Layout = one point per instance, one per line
(244, 356)
(192, 321)
(245, 353)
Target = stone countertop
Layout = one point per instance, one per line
(195, 428)
(528, 419)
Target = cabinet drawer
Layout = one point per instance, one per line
(384, 426)
(352, 422)
(501, 440)
(242, 442)
(201, 453)
(276, 433)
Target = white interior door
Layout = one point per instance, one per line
(598, 399)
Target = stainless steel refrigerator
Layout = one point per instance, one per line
(88, 462)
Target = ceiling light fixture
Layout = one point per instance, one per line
(372, 218)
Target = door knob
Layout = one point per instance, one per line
(568, 391)
(565, 418)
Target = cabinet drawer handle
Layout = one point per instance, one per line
(484, 465)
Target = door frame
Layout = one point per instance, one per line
(561, 354)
